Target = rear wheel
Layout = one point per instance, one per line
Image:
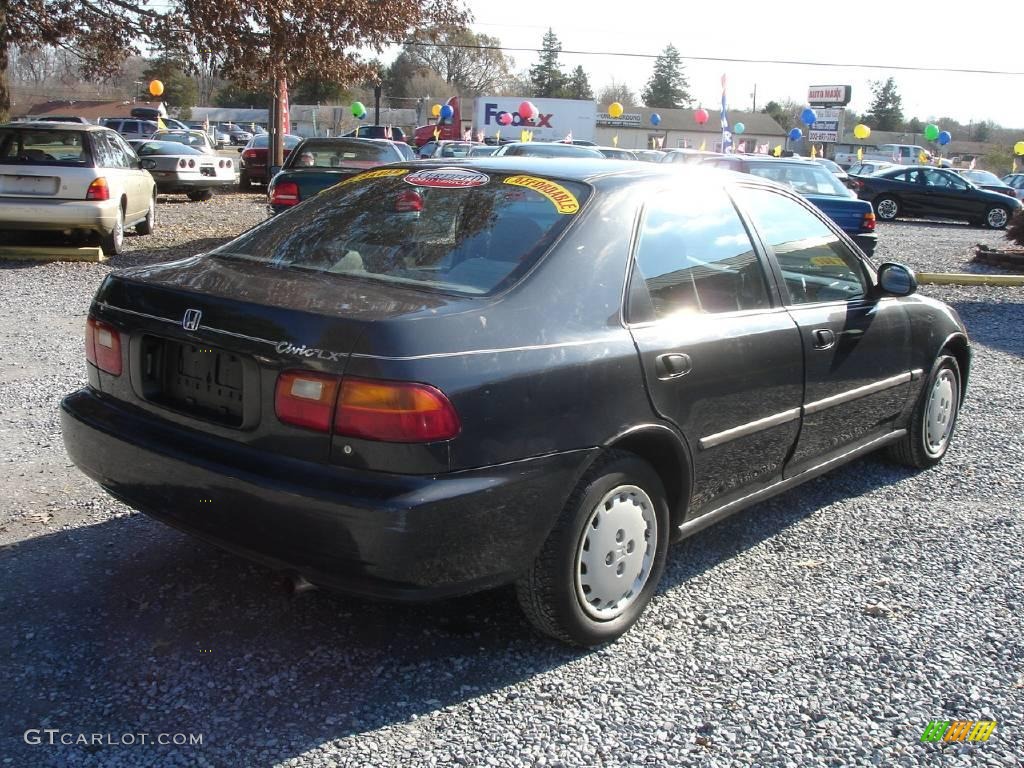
(148, 224)
(200, 196)
(112, 243)
(996, 217)
(887, 208)
(244, 184)
(933, 419)
(602, 561)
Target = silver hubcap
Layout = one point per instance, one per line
(616, 552)
(941, 412)
(887, 209)
(119, 229)
(997, 218)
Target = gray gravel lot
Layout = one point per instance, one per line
(824, 627)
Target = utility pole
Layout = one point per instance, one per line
(376, 104)
(754, 95)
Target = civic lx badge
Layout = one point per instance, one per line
(190, 322)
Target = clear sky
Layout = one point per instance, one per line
(860, 33)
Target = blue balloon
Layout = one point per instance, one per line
(447, 111)
(945, 137)
(808, 116)
(655, 118)
(796, 134)
(739, 128)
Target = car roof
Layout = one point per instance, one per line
(57, 126)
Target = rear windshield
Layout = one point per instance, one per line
(40, 146)
(189, 138)
(290, 142)
(337, 154)
(450, 229)
(164, 148)
(807, 179)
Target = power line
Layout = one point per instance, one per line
(727, 59)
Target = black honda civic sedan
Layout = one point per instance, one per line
(437, 378)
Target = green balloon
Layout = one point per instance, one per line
(358, 110)
(931, 132)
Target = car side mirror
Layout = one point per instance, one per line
(896, 280)
(240, 150)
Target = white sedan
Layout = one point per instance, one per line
(181, 169)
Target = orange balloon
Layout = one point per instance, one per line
(156, 88)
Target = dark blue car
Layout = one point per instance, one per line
(818, 185)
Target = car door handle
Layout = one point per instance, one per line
(824, 338)
(672, 365)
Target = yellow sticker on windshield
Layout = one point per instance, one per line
(380, 173)
(563, 200)
(827, 261)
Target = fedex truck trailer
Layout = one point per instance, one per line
(557, 119)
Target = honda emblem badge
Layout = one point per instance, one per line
(190, 322)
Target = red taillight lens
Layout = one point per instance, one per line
(98, 190)
(394, 411)
(249, 154)
(306, 399)
(869, 222)
(103, 346)
(191, 163)
(285, 193)
(408, 201)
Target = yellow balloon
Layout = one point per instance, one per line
(615, 109)
(1019, 147)
(156, 88)
(861, 131)
(435, 110)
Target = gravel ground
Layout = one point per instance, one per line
(824, 627)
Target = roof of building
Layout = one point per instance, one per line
(755, 123)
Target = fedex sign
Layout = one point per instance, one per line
(555, 118)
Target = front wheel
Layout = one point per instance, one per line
(996, 217)
(933, 419)
(602, 561)
(887, 208)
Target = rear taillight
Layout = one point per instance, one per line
(306, 399)
(394, 411)
(409, 201)
(182, 163)
(285, 193)
(98, 190)
(249, 154)
(869, 222)
(103, 346)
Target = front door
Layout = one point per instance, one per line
(855, 346)
(721, 357)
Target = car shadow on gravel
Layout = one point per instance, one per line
(129, 626)
(994, 324)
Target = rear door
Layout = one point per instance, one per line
(856, 348)
(721, 358)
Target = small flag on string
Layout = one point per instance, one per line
(497, 135)
(922, 158)
(777, 151)
(437, 133)
(703, 145)
(860, 154)
(973, 161)
(742, 148)
(661, 142)
(568, 138)
(160, 124)
(480, 135)
(467, 135)
(814, 151)
(524, 135)
(615, 140)
(1013, 168)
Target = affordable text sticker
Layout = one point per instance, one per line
(378, 174)
(563, 200)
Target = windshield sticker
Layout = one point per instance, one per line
(827, 261)
(448, 178)
(380, 173)
(563, 200)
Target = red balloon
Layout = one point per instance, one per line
(527, 110)
(504, 118)
(701, 116)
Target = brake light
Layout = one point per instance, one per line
(249, 154)
(394, 411)
(869, 222)
(285, 193)
(98, 190)
(306, 399)
(408, 201)
(103, 346)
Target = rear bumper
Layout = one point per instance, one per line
(58, 215)
(169, 185)
(397, 536)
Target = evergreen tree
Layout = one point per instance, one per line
(578, 85)
(547, 77)
(667, 88)
(886, 112)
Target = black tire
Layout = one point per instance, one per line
(200, 196)
(244, 184)
(551, 593)
(148, 224)
(996, 217)
(887, 208)
(112, 243)
(918, 447)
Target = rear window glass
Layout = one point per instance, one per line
(339, 154)
(164, 148)
(450, 229)
(290, 142)
(806, 179)
(39, 146)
